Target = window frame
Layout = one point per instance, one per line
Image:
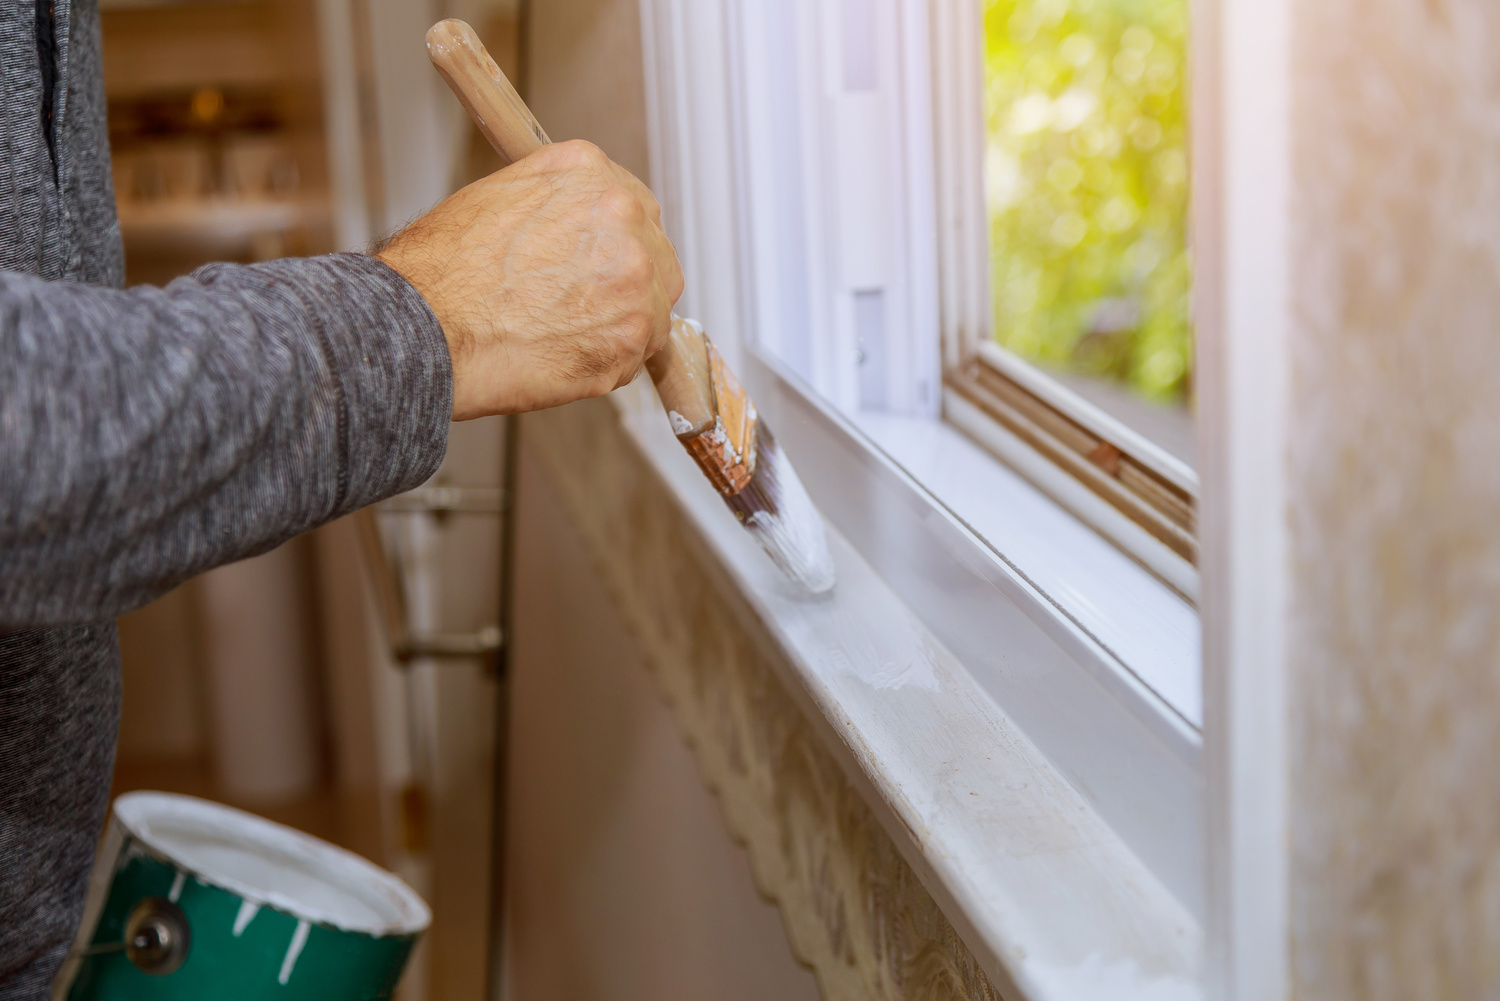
(1241, 51)
(1135, 756)
(1125, 486)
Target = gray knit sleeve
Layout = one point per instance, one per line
(149, 434)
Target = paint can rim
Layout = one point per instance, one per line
(377, 902)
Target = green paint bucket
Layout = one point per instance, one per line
(193, 900)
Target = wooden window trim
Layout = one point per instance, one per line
(1135, 480)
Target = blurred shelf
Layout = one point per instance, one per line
(156, 47)
(216, 225)
(114, 5)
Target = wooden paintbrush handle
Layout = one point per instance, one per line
(483, 90)
(680, 370)
(682, 375)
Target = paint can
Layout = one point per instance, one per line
(193, 900)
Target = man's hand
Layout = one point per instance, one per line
(552, 279)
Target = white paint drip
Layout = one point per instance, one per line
(293, 950)
(270, 865)
(177, 882)
(248, 910)
(300, 883)
(680, 424)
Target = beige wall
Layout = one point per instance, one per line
(463, 719)
(624, 881)
(1395, 499)
(584, 77)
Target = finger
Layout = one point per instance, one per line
(628, 377)
(658, 332)
(661, 322)
(658, 246)
(638, 188)
(634, 186)
(664, 258)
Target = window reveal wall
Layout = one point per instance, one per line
(1394, 506)
(1348, 270)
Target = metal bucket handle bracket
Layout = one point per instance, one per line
(157, 938)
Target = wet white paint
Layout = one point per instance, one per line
(270, 865)
(293, 950)
(850, 633)
(177, 882)
(1117, 980)
(859, 648)
(793, 536)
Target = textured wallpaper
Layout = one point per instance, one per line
(1395, 499)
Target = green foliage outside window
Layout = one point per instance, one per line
(1087, 181)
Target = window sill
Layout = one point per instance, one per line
(1051, 901)
(1036, 635)
(1145, 625)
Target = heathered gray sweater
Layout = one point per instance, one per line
(145, 436)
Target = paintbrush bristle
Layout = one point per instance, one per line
(776, 509)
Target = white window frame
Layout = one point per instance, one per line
(1153, 520)
(942, 560)
(859, 146)
(1242, 150)
(1038, 642)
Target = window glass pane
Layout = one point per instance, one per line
(1086, 177)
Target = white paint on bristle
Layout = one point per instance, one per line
(793, 534)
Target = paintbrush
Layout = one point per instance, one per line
(709, 411)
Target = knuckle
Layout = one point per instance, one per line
(622, 206)
(629, 272)
(585, 153)
(634, 264)
(574, 154)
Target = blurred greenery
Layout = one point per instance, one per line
(1086, 174)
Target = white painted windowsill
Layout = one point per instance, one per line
(1149, 629)
(1047, 895)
